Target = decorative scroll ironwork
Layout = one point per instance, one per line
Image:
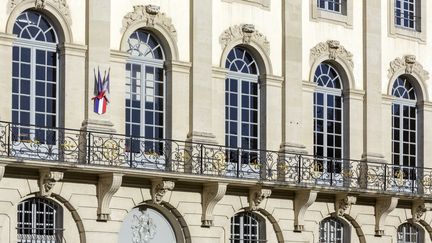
(114, 150)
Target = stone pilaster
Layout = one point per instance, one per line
(200, 122)
(372, 58)
(98, 56)
(6, 42)
(292, 125)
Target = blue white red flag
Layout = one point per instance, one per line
(102, 89)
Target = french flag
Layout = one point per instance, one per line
(102, 87)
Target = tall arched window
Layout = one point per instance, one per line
(328, 119)
(39, 220)
(404, 129)
(35, 77)
(242, 94)
(409, 233)
(333, 230)
(145, 93)
(248, 227)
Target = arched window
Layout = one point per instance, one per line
(328, 120)
(145, 93)
(35, 78)
(39, 220)
(242, 93)
(333, 230)
(248, 227)
(409, 233)
(404, 129)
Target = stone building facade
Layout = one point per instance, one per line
(225, 121)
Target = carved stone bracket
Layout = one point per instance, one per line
(383, 208)
(247, 34)
(47, 181)
(60, 5)
(212, 194)
(331, 49)
(343, 203)
(150, 16)
(418, 209)
(256, 196)
(2, 171)
(303, 200)
(408, 65)
(108, 185)
(159, 189)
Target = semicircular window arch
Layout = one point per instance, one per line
(144, 44)
(409, 233)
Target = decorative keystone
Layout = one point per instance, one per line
(40, 4)
(256, 196)
(343, 203)
(331, 49)
(418, 209)
(408, 64)
(245, 33)
(248, 28)
(302, 201)
(383, 208)
(47, 181)
(212, 194)
(108, 185)
(160, 188)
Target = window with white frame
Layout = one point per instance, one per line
(404, 128)
(407, 14)
(39, 220)
(409, 233)
(333, 230)
(328, 118)
(331, 5)
(145, 93)
(242, 106)
(248, 227)
(35, 85)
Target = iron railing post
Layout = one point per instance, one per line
(201, 159)
(130, 151)
(9, 131)
(238, 163)
(331, 171)
(385, 177)
(299, 171)
(88, 147)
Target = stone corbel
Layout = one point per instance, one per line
(212, 194)
(383, 208)
(343, 202)
(303, 200)
(47, 181)
(108, 185)
(256, 196)
(160, 188)
(2, 171)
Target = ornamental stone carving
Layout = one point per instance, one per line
(47, 181)
(61, 6)
(418, 210)
(143, 228)
(302, 201)
(2, 171)
(159, 189)
(150, 16)
(256, 196)
(246, 33)
(407, 65)
(212, 194)
(108, 185)
(383, 208)
(331, 49)
(343, 203)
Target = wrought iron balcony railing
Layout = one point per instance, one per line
(26, 142)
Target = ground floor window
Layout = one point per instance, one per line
(248, 228)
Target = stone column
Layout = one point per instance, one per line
(292, 127)
(372, 71)
(200, 122)
(73, 62)
(98, 55)
(6, 42)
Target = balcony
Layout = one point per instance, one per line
(169, 158)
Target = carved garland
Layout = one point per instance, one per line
(331, 49)
(150, 15)
(60, 5)
(408, 65)
(247, 34)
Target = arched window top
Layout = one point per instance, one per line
(327, 76)
(333, 230)
(240, 60)
(409, 233)
(249, 227)
(402, 88)
(142, 43)
(34, 26)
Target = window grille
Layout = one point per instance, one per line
(247, 228)
(408, 233)
(332, 230)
